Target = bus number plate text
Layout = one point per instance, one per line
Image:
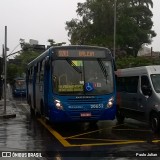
(86, 114)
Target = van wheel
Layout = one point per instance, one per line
(120, 117)
(155, 122)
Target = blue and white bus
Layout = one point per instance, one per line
(72, 83)
(19, 87)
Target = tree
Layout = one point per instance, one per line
(53, 43)
(95, 26)
(17, 67)
(134, 24)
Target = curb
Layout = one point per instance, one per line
(6, 116)
(9, 113)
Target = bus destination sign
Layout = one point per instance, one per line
(81, 53)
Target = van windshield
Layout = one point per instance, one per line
(156, 82)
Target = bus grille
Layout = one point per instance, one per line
(85, 101)
(85, 105)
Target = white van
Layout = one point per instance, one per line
(138, 95)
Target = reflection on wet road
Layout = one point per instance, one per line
(96, 135)
(83, 140)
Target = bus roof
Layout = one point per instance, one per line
(19, 78)
(76, 47)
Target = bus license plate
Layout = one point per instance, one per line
(86, 114)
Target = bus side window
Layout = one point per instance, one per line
(37, 75)
(42, 70)
(30, 76)
(38, 72)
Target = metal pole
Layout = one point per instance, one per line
(114, 47)
(5, 69)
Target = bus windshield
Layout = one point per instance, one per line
(77, 77)
(155, 81)
(20, 84)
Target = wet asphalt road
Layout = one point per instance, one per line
(103, 141)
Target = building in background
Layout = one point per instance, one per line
(33, 42)
(148, 52)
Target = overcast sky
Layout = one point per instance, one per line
(45, 19)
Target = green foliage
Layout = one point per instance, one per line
(13, 71)
(29, 52)
(53, 43)
(130, 61)
(95, 26)
(18, 68)
(134, 24)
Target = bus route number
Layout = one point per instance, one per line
(63, 53)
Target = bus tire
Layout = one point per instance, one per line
(32, 113)
(120, 117)
(42, 109)
(155, 122)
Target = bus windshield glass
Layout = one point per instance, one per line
(78, 77)
(20, 84)
(156, 82)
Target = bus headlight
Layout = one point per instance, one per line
(110, 102)
(58, 104)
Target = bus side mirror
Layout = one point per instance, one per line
(147, 91)
(47, 62)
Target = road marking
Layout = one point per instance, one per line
(56, 134)
(111, 140)
(111, 143)
(65, 143)
(156, 141)
(91, 132)
(128, 129)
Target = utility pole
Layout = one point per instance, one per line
(5, 69)
(6, 113)
(115, 19)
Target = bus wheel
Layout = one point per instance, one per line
(31, 109)
(42, 109)
(155, 122)
(120, 117)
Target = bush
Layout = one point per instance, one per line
(130, 61)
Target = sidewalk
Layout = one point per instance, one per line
(9, 113)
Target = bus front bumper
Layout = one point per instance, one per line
(85, 116)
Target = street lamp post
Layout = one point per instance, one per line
(115, 17)
(5, 69)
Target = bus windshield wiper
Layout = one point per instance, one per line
(73, 65)
(103, 68)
